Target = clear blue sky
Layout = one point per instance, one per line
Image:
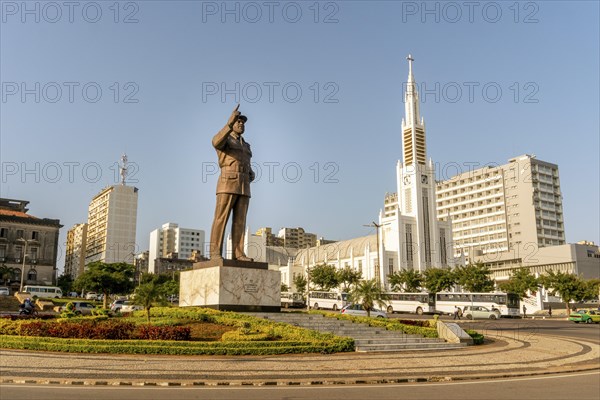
(172, 59)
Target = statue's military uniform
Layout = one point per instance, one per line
(233, 191)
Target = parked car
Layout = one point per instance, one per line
(73, 294)
(116, 305)
(480, 312)
(91, 296)
(128, 306)
(358, 310)
(81, 308)
(4, 291)
(587, 316)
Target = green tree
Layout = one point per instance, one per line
(438, 279)
(6, 273)
(65, 283)
(407, 279)
(149, 293)
(368, 293)
(300, 283)
(284, 288)
(475, 278)
(592, 289)
(107, 279)
(324, 276)
(568, 286)
(348, 277)
(521, 281)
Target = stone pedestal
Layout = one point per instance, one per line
(232, 286)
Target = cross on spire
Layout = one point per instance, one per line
(410, 61)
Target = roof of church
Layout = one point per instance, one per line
(342, 249)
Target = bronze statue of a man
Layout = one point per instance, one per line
(233, 186)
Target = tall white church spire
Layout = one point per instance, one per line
(413, 128)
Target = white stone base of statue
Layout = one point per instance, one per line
(232, 286)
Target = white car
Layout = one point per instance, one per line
(358, 310)
(81, 308)
(91, 296)
(4, 291)
(128, 306)
(480, 312)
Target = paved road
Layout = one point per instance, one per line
(582, 386)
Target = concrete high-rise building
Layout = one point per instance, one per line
(412, 235)
(170, 239)
(496, 209)
(112, 217)
(76, 250)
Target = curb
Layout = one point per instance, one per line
(316, 382)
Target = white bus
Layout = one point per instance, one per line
(327, 300)
(418, 303)
(506, 303)
(51, 292)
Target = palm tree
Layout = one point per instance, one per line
(368, 293)
(147, 294)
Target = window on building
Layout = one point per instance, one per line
(19, 233)
(32, 275)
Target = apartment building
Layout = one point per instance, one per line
(76, 250)
(496, 208)
(171, 239)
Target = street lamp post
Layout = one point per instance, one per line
(23, 268)
(378, 266)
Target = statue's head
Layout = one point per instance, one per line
(239, 125)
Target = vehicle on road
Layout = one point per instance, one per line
(358, 310)
(128, 306)
(418, 303)
(586, 316)
(50, 292)
(319, 300)
(506, 303)
(80, 308)
(480, 312)
(292, 300)
(4, 291)
(91, 296)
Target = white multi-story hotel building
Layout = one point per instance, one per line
(112, 216)
(409, 222)
(496, 209)
(171, 239)
(75, 252)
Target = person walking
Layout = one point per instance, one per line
(456, 312)
(550, 311)
(524, 311)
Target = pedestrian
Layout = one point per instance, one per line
(550, 311)
(524, 311)
(456, 312)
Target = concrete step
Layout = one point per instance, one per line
(409, 346)
(366, 338)
(369, 341)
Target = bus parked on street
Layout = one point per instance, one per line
(506, 303)
(418, 303)
(49, 292)
(327, 300)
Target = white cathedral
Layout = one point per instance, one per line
(410, 236)
(411, 229)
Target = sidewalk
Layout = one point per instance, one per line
(502, 356)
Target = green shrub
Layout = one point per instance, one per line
(478, 338)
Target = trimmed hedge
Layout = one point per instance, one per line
(254, 336)
(478, 338)
(174, 347)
